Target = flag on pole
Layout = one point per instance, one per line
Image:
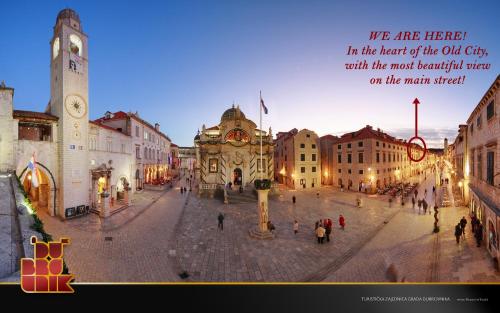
(263, 105)
(34, 171)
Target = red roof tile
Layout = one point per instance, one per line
(34, 115)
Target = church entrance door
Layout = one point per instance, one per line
(237, 176)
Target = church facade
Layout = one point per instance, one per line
(79, 165)
(228, 154)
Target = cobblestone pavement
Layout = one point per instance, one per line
(231, 255)
(419, 255)
(131, 246)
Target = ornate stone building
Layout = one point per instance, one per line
(229, 153)
(81, 165)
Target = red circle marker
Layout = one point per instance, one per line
(408, 148)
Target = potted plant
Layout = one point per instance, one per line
(262, 184)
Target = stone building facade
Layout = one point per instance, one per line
(327, 158)
(81, 165)
(297, 159)
(476, 157)
(368, 159)
(229, 153)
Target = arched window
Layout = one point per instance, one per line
(75, 44)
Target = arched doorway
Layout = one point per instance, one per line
(340, 182)
(37, 188)
(237, 176)
(44, 189)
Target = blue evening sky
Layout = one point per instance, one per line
(182, 63)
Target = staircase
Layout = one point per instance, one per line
(235, 197)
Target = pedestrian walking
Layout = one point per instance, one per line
(220, 218)
(413, 202)
(424, 205)
(295, 227)
(479, 234)
(415, 193)
(342, 221)
(293, 199)
(182, 190)
(458, 232)
(463, 223)
(328, 229)
(433, 189)
(473, 222)
(419, 206)
(320, 233)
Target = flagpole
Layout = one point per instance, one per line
(260, 105)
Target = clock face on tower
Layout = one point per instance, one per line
(76, 106)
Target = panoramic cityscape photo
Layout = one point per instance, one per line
(197, 144)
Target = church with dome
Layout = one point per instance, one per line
(228, 154)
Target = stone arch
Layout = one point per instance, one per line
(54, 186)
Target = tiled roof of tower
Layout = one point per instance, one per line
(34, 115)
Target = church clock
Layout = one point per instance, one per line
(76, 106)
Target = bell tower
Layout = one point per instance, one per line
(69, 102)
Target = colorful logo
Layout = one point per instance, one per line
(44, 273)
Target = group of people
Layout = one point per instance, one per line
(476, 229)
(323, 228)
(421, 203)
(183, 189)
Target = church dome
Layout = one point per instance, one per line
(68, 13)
(230, 114)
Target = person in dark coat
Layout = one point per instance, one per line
(220, 218)
(473, 223)
(328, 229)
(413, 202)
(458, 232)
(463, 223)
(294, 199)
(479, 234)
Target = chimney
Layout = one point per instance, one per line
(157, 127)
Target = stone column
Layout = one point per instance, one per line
(262, 209)
(261, 231)
(105, 212)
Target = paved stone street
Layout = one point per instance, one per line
(210, 255)
(132, 245)
(419, 255)
(165, 233)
